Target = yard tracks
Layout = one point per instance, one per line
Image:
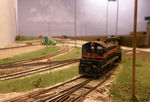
(32, 96)
(53, 65)
(20, 63)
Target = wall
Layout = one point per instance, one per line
(7, 22)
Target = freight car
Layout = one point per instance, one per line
(98, 56)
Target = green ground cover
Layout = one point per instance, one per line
(75, 53)
(121, 90)
(28, 38)
(30, 55)
(25, 38)
(38, 81)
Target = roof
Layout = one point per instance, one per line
(101, 43)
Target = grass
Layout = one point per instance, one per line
(122, 88)
(28, 38)
(38, 81)
(30, 55)
(25, 38)
(75, 53)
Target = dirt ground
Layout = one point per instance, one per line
(16, 51)
(140, 55)
(138, 49)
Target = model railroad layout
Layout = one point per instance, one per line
(20, 63)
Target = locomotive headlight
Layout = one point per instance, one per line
(94, 66)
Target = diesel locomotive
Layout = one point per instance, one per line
(98, 56)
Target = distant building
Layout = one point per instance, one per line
(63, 36)
(7, 21)
(147, 41)
(147, 18)
(138, 33)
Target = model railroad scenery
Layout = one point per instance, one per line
(74, 51)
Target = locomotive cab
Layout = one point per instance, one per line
(93, 50)
(96, 56)
(92, 58)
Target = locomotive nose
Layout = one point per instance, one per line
(88, 69)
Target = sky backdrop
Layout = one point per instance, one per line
(56, 17)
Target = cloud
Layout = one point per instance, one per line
(53, 11)
(92, 12)
(33, 10)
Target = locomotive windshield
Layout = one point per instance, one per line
(100, 51)
(86, 49)
(92, 49)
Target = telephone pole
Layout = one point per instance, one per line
(107, 18)
(117, 17)
(134, 50)
(75, 21)
(49, 29)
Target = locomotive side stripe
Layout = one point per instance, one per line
(103, 56)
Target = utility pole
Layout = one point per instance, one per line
(75, 21)
(49, 29)
(107, 18)
(85, 29)
(16, 21)
(117, 17)
(134, 50)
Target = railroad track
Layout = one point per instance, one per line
(37, 94)
(75, 93)
(71, 91)
(37, 70)
(20, 63)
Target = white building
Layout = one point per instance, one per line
(8, 10)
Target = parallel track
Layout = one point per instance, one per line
(63, 93)
(20, 63)
(81, 97)
(70, 95)
(37, 70)
(36, 94)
